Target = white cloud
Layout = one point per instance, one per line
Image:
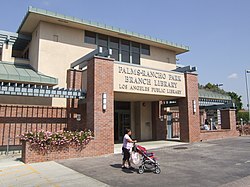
(233, 76)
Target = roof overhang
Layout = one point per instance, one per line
(24, 73)
(35, 15)
(19, 41)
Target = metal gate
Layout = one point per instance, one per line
(173, 125)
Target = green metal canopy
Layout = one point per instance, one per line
(203, 93)
(24, 73)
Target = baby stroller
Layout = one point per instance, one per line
(148, 160)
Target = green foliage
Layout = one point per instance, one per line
(235, 97)
(214, 88)
(44, 141)
(243, 115)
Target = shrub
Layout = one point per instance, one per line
(44, 141)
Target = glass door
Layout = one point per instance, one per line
(122, 121)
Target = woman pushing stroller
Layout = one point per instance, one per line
(127, 145)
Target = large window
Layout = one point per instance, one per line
(125, 51)
(90, 37)
(122, 50)
(135, 53)
(114, 45)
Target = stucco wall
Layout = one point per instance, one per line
(146, 121)
(55, 57)
(34, 48)
(159, 58)
(55, 47)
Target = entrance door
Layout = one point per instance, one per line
(173, 125)
(122, 121)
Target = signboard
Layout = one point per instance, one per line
(134, 79)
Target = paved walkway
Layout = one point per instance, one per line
(16, 173)
(13, 172)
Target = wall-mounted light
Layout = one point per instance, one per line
(104, 101)
(78, 117)
(194, 106)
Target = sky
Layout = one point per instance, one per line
(217, 31)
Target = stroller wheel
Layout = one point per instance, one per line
(141, 170)
(157, 170)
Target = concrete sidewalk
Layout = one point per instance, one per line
(16, 173)
(151, 145)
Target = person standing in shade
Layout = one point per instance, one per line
(127, 145)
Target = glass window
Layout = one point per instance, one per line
(135, 47)
(145, 49)
(102, 40)
(125, 56)
(90, 37)
(136, 58)
(125, 45)
(115, 54)
(114, 43)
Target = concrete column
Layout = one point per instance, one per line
(99, 81)
(190, 120)
(7, 53)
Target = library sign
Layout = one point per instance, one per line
(134, 79)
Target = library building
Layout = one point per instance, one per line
(59, 72)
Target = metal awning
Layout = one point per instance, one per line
(17, 89)
(24, 73)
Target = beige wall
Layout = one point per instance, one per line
(54, 47)
(159, 59)
(141, 116)
(7, 52)
(34, 48)
(55, 57)
(146, 121)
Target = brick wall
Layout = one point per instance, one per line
(31, 156)
(17, 119)
(100, 80)
(74, 107)
(158, 126)
(217, 134)
(189, 121)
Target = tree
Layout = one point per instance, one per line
(236, 99)
(234, 96)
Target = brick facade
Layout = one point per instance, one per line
(17, 119)
(158, 126)
(190, 121)
(31, 156)
(100, 80)
(74, 107)
(228, 127)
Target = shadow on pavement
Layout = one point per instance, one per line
(119, 166)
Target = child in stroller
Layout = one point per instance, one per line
(148, 160)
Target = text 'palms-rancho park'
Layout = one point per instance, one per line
(133, 79)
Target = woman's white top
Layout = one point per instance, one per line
(127, 144)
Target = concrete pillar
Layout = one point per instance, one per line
(7, 53)
(190, 119)
(99, 81)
